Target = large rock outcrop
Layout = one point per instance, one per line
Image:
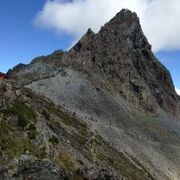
(121, 55)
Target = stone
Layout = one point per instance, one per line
(2, 103)
(8, 86)
(27, 166)
(13, 120)
(18, 92)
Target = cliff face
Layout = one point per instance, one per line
(106, 109)
(121, 54)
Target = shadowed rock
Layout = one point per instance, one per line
(121, 55)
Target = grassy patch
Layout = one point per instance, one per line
(32, 132)
(110, 157)
(22, 111)
(13, 144)
(65, 117)
(54, 140)
(67, 161)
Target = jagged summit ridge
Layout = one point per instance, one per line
(121, 54)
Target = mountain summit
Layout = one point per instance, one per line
(106, 109)
(121, 55)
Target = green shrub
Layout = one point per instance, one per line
(14, 144)
(54, 140)
(45, 114)
(22, 111)
(32, 133)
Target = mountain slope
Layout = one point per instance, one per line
(34, 127)
(121, 54)
(106, 109)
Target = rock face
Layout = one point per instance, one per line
(40, 68)
(29, 167)
(32, 73)
(121, 55)
(106, 109)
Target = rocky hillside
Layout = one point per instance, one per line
(106, 109)
(121, 55)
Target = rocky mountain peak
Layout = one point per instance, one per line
(126, 25)
(125, 17)
(121, 55)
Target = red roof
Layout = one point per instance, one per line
(3, 76)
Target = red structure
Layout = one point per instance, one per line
(3, 76)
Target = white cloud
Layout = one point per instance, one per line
(178, 91)
(159, 18)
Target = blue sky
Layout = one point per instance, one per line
(171, 59)
(28, 31)
(20, 39)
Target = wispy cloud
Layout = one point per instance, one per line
(178, 91)
(159, 18)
